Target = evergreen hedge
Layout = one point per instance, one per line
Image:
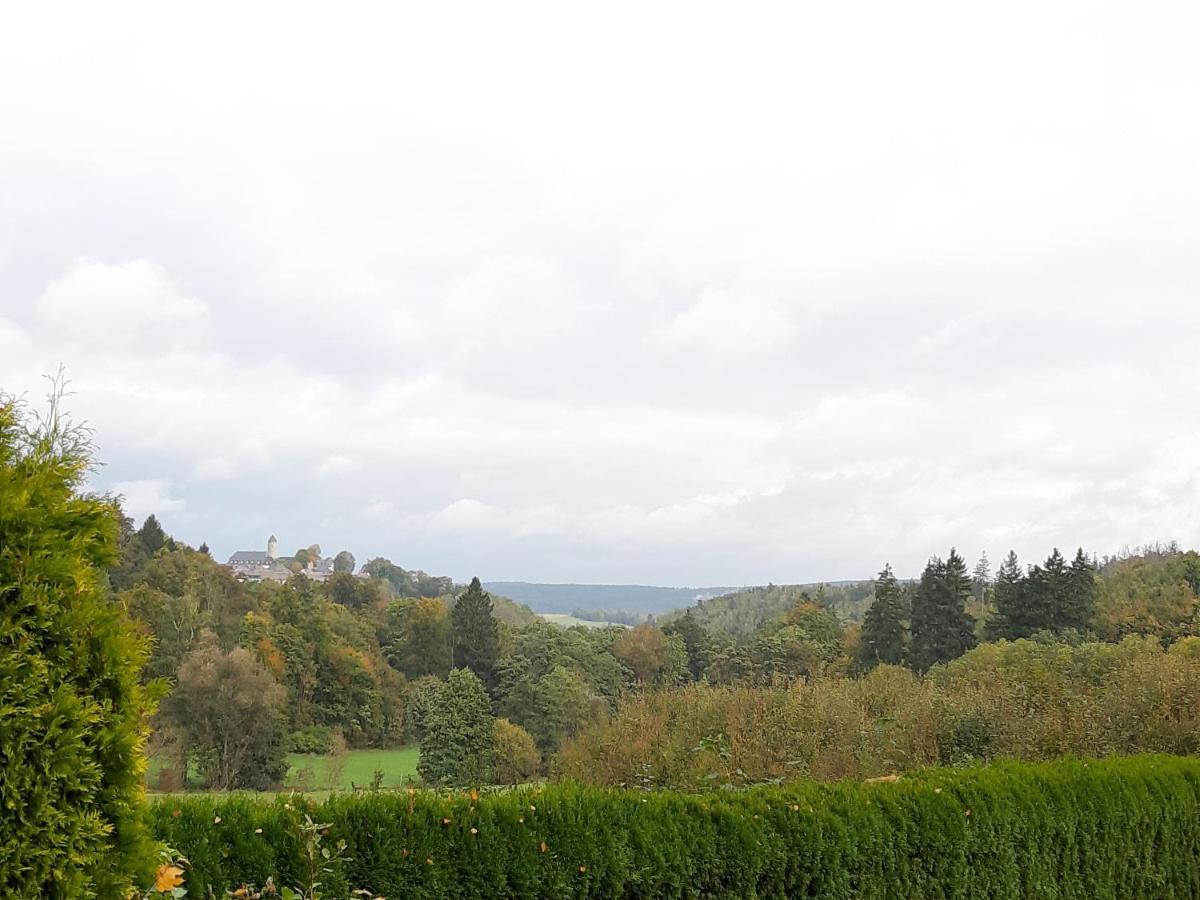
(72, 710)
(1118, 828)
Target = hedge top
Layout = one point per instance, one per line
(1117, 828)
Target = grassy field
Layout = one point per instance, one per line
(567, 621)
(357, 767)
(321, 774)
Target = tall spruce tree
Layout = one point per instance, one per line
(474, 634)
(981, 581)
(1008, 594)
(1044, 598)
(152, 535)
(1081, 593)
(882, 636)
(941, 628)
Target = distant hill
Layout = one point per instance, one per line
(739, 614)
(635, 598)
(509, 611)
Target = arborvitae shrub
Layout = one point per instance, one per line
(1122, 828)
(72, 710)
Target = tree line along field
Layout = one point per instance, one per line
(317, 773)
(351, 665)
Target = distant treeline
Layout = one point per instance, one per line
(369, 662)
(639, 598)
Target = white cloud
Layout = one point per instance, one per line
(245, 455)
(335, 465)
(120, 303)
(731, 321)
(215, 468)
(378, 508)
(151, 495)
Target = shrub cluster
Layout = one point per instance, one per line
(1009, 700)
(1118, 828)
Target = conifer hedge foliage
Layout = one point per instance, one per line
(1118, 828)
(72, 712)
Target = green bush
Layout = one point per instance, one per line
(1019, 700)
(313, 739)
(1118, 828)
(72, 710)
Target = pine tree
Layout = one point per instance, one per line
(1045, 597)
(1058, 587)
(982, 581)
(1081, 593)
(458, 748)
(474, 634)
(941, 628)
(1008, 619)
(152, 535)
(882, 636)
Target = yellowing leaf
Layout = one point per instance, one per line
(167, 878)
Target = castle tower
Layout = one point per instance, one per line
(272, 548)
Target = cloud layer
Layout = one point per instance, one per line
(781, 297)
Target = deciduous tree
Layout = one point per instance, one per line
(655, 659)
(230, 712)
(517, 756)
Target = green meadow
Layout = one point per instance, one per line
(355, 767)
(312, 773)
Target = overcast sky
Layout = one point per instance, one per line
(671, 294)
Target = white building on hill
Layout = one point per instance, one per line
(255, 565)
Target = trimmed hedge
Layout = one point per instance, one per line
(1118, 828)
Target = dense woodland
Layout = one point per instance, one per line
(493, 693)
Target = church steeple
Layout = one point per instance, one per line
(272, 548)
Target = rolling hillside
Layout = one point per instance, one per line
(638, 598)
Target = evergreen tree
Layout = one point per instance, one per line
(981, 583)
(1008, 619)
(474, 634)
(1045, 597)
(696, 640)
(1081, 593)
(458, 748)
(152, 535)
(73, 713)
(941, 628)
(882, 637)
